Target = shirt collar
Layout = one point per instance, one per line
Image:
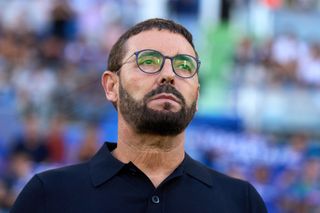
(103, 166)
(197, 170)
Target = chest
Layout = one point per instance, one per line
(136, 195)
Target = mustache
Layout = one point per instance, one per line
(166, 88)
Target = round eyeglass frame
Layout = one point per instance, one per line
(198, 62)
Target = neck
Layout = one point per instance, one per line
(155, 155)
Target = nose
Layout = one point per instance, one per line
(167, 76)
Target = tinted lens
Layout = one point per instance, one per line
(149, 61)
(185, 65)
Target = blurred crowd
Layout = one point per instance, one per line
(53, 111)
(51, 101)
(285, 169)
(283, 60)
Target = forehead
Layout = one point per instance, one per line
(166, 42)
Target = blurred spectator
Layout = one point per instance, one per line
(31, 142)
(19, 173)
(306, 190)
(236, 171)
(309, 69)
(55, 140)
(35, 96)
(183, 7)
(51, 50)
(285, 56)
(63, 21)
(4, 201)
(284, 183)
(262, 179)
(265, 53)
(247, 71)
(245, 53)
(78, 52)
(90, 143)
(3, 155)
(304, 5)
(63, 98)
(298, 147)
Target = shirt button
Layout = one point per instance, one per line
(155, 199)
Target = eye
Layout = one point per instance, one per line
(184, 66)
(149, 60)
(184, 63)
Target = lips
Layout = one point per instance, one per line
(166, 96)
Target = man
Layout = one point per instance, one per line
(152, 80)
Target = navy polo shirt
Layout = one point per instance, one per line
(107, 185)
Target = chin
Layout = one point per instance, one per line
(166, 107)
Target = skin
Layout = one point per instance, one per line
(155, 155)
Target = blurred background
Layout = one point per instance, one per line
(259, 113)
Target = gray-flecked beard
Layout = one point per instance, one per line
(148, 121)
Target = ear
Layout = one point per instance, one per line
(110, 83)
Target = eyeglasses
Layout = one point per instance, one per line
(152, 61)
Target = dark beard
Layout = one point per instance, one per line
(148, 121)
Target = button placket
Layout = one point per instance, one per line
(156, 201)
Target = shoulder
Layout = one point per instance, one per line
(66, 174)
(229, 188)
(219, 178)
(47, 188)
(239, 193)
(222, 183)
(211, 176)
(62, 181)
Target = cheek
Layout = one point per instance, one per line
(192, 98)
(138, 86)
(191, 93)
